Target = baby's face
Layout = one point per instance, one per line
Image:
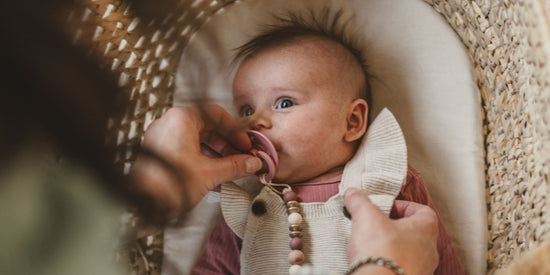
(299, 98)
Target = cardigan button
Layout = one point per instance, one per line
(258, 208)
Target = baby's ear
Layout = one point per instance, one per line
(356, 120)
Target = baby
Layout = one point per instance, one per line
(304, 86)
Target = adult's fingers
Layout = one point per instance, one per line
(217, 119)
(359, 205)
(406, 208)
(181, 129)
(416, 215)
(174, 134)
(218, 144)
(232, 167)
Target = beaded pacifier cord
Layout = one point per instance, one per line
(295, 257)
(264, 149)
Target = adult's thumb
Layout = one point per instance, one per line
(359, 205)
(233, 167)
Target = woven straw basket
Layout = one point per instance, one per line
(509, 43)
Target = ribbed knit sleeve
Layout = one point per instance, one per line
(221, 253)
(414, 190)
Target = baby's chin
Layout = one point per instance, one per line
(285, 179)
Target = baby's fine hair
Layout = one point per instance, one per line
(322, 24)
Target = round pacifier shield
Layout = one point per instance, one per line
(264, 149)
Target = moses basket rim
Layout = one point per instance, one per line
(509, 43)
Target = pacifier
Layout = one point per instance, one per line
(263, 148)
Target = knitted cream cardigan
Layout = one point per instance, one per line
(379, 168)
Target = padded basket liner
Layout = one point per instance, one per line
(509, 46)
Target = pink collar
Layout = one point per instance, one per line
(334, 179)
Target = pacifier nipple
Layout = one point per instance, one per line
(264, 149)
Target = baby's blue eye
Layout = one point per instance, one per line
(284, 103)
(246, 111)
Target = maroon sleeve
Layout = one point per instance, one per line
(414, 190)
(221, 253)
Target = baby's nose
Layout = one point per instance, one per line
(260, 121)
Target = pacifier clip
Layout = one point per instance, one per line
(264, 149)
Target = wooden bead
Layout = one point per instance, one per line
(296, 257)
(295, 234)
(295, 219)
(293, 210)
(289, 196)
(292, 204)
(295, 269)
(294, 227)
(296, 243)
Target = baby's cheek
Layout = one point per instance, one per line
(302, 135)
(302, 140)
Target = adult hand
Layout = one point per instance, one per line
(410, 242)
(177, 173)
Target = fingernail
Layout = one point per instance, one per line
(253, 165)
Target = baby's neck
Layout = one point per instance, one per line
(328, 174)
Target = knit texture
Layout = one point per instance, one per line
(379, 167)
(223, 249)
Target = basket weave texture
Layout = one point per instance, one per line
(509, 43)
